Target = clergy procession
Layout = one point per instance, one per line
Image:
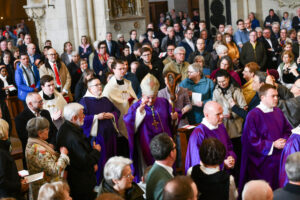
(176, 113)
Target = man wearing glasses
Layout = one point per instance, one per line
(59, 72)
(34, 109)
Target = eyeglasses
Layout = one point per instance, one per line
(127, 176)
(190, 72)
(51, 54)
(170, 49)
(39, 102)
(102, 47)
(146, 55)
(97, 85)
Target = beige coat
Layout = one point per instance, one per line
(234, 123)
(64, 76)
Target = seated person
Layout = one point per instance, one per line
(211, 181)
(7, 86)
(118, 179)
(11, 185)
(56, 190)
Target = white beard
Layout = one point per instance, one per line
(79, 123)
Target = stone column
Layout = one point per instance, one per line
(82, 19)
(91, 23)
(37, 14)
(75, 24)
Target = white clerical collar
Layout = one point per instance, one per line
(296, 130)
(264, 108)
(209, 171)
(208, 125)
(88, 94)
(169, 169)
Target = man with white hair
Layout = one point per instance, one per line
(275, 30)
(83, 157)
(178, 66)
(171, 38)
(291, 190)
(146, 118)
(34, 108)
(257, 190)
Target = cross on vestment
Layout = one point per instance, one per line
(154, 123)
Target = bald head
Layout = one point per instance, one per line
(213, 113)
(257, 190)
(179, 188)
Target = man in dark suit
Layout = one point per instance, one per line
(253, 51)
(34, 109)
(27, 40)
(33, 56)
(291, 190)
(163, 150)
(188, 43)
(83, 157)
(272, 49)
(112, 46)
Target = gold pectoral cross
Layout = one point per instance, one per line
(154, 123)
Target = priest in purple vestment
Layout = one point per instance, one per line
(265, 133)
(145, 119)
(211, 126)
(292, 145)
(99, 122)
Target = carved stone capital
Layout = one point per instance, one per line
(35, 11)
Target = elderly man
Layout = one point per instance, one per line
(272, 49)
(200, 44)
(188, 43)
(53, 101)
(180, 188)
(290, 169)
(146, 118)
(34, 109)
(257, 190)
(58, 70)
(250, 54)
(275, 30)
(211, 126)
(289, 102)
(171, 38)
(83, 157)
(178, 66)
(163, 150)
(33, 56)
(261, 149)
(100, 122)
(27, 78)
(197, 83)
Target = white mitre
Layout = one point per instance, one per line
(149, 85)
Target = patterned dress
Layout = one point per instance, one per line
(39, 159)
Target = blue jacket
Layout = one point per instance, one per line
(23, 88)
(241, 37)
(188, 49)
(206, 87)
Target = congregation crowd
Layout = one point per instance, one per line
(101, 120)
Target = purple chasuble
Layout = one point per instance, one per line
(107, 134)
(292, 146)
(200, 133)
(140, 141)
(260, 131)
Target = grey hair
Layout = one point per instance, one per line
(221, 48)
(114, 167)
(120, 35)
(36, 124)
(170, 28)
(217, 43)
(154, 40)
(71, 110)
(95, 44)
(179, 49)
(111, 58)
(197, 67)
(74, 53)
(275, 23)
(292, 167)
(29, 97)
(199, 57)
(258, 29)
(54, 190)
(227, 27)
(262, 76)
(4, 128)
